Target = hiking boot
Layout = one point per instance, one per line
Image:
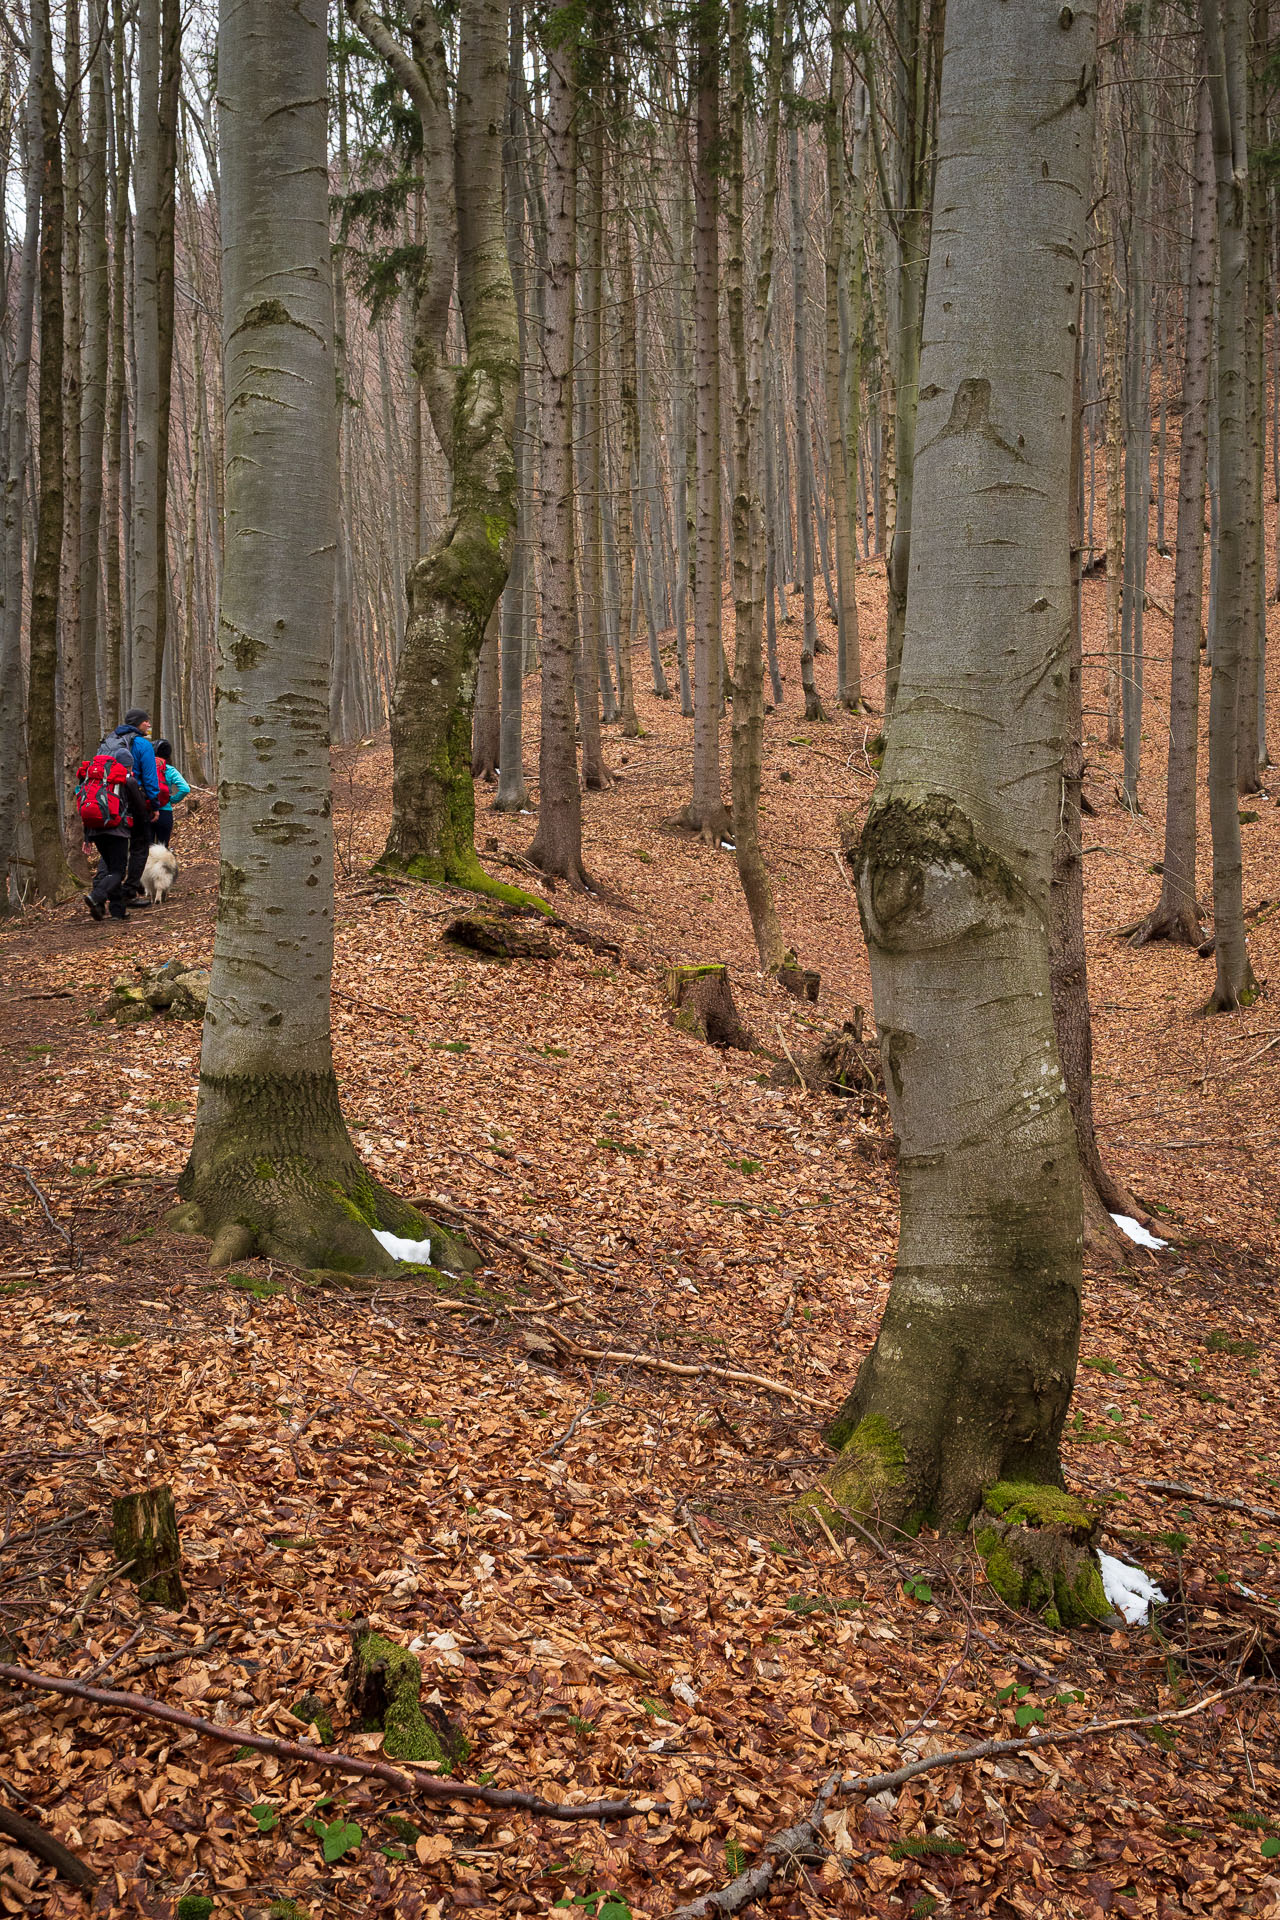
(95, 907)
(118, 910)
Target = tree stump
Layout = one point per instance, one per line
(703, 1001)
(802, 983)
(501, 939)
(144, 1529)
(384, 1687)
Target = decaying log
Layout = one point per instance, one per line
(501, 939)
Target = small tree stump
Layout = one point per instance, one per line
(144, 1529)
(502, 939)
(384, 1687)
(703, 1001)
(802, 983)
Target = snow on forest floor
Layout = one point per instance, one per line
(597, 1556)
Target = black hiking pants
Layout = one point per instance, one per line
(113, 862)
(139, 847)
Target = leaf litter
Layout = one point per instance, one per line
(591, 1555)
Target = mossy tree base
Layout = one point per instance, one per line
(460, 869)
(384, 1687)
(273, 1171)
(1036, 1544)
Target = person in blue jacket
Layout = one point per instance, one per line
(173, 785)
(130, 743)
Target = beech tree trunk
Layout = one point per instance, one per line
(454, 587)
(1177, 915)
(272, 1167)
(706, 814)
(971, 1375)
(1226, 51)
(12, 702)
(557, 845)
(804, 456)
(746, 345)
(53, 877)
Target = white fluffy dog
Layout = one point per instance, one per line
(159, 873)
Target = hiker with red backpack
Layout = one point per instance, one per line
(109, 799)
(118, 797)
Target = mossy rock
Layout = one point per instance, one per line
(384, 1687)
(194, 1906)
(1037, 1545)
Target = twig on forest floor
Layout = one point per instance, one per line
(167, 1657)
(785, 1846)
(33, 1839)
(27, 1176)
(1178, 1491)
(96, 1586)
(406, 1780)
(691, 1526)
(685, 1372)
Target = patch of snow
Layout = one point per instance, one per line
(1129, 1590)
(418, 1252)
(1137, 1233)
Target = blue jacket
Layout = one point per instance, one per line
(137, 748)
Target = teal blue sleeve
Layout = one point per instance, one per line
(178, 787)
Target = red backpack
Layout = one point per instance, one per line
(162, 767)
(100, 798)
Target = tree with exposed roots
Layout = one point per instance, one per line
(967, 1386)
(272, 1166)
(455, 586)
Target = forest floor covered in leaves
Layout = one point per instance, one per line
(594, 1557)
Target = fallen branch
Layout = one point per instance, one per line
(785, 1846)
(408, 1781)
(33, 1839)
(779, 1852)
(736, 1374)
(1178, 1491)
(26, 1174)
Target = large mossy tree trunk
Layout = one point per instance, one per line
(971, 1374)
(454, 587)
(272, 1166)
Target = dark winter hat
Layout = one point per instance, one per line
(164, 748)
(136, 716)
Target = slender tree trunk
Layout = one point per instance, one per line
(706, 814)
(94, 400)
(849, 659)
(1249, 751)
(487, 719)
(680, 450)
(593, 645)
(1226, 46)
(629, 724)
(12, 704)
(272, 1167)
(1177, 915)
(557, 845)
(1137, 430)
(1114, 339)
(971, 1375)
(513, 795)
(746, 345)
(71, 664)
(117, 404)
(804, 456)
(145, 638)
(54, 879)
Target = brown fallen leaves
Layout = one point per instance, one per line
(593, 1559)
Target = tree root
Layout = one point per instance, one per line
(33, 1839)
